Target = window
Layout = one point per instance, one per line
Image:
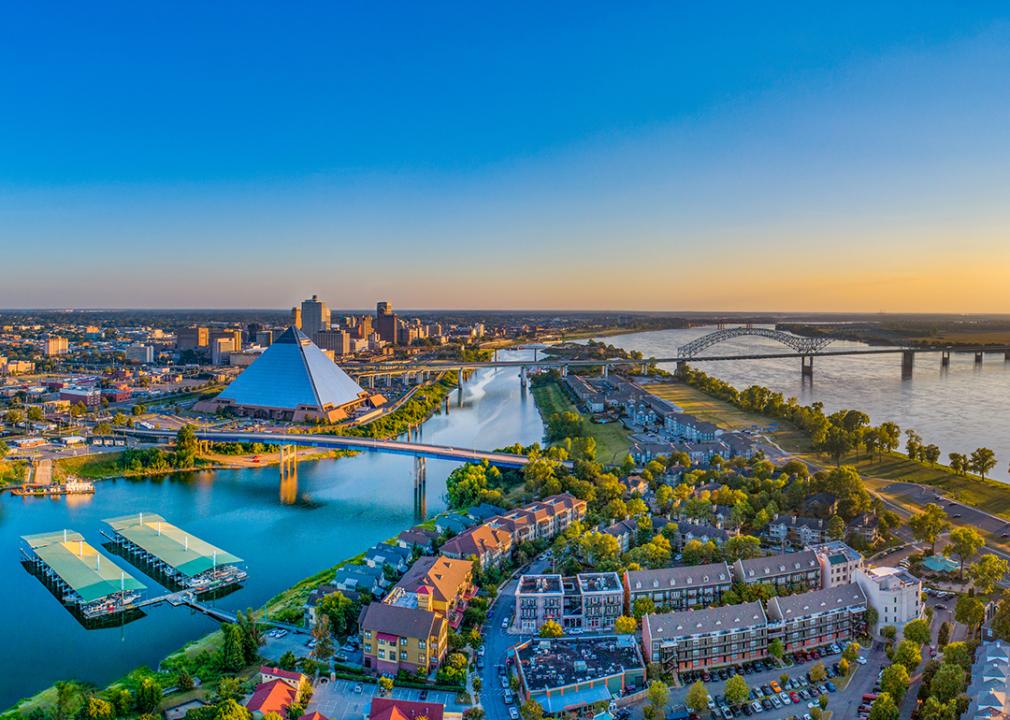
(403, 641)
(421, 644)
(403, 655)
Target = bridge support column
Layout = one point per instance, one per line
(564, 371)
(420, 487)
(371, 382)
(807, 366)
(1006, 355)
(681, 370)
(978, 358)
(605, 370)
(535, 354)
(944, 358)
(523, 378)
(289, 473)
(907, 361)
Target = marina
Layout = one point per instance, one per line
(183, 560)
(83, 578)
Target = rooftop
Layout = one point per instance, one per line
(540, 584)
(710, 620)
(91, 575)
(839, 597)
(599, 582)
(837, 552)
(679, 577)
(558, 662)
(186, 553)
(784, 564)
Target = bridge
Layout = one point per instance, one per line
(800, 344)
(345, 442)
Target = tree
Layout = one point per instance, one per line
(843, 666)
(913, 444)
(959, 654)
(232, 653)
(697, 697)
(229, 688)
(625, 625)
(965, 542)
(851, 651)
(251, 633)
(969, 611)
(184, 681)
(895, 681)
(531, 710)
(99, 709)
(889, 632)
(324, 638)
(818, 672)
(148, 695)
(947, 682)
(551, 629)
(386, 684)
(836, 527)
(883, 708)
(138, 410)
(931, 454)
(928, 525)
(287, 661)
(741, 547)
(185, 446)
(908, 654)
(943, 634)
(776, 649)
(67, 693)
(837, 443)
(643, 606)
(736, 690)
(659, 696)
(231, 710)
(987, 571)
(982, 460)
(918, 632)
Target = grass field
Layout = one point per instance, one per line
(612, 439)
(727, 416)
(90, 467)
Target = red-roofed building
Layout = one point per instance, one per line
(292, 678)
(315, 715)
(274, 696)
(391, 709)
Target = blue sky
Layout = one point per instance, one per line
(583, 155)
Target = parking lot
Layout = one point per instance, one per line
(844, 702)
(346, 699)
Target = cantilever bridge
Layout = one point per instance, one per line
(803, 345)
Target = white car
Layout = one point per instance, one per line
(861, 660)
(784, 697)
(513, 713)
(756, 706)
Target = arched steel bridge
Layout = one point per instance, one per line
(802, 345)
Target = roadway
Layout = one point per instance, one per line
(344, 442)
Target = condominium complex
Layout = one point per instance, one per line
(894, 593)
(793, 571)
(441, 585)
(695, 639)
(591, 601)
(839, 563)
(817, 618)
(678, 588)
(395, 638)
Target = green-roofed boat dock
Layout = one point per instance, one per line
(184, 560)
(81, 576)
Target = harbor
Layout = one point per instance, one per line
(180, 559)
(79, 575)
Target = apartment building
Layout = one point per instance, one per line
(395, 638)
(797, 531)
(839, 563)
(818, 617)
(590, 601)
(792, 571)
(488, 544)
(894, 593)
(678, 588)
(441, 585)
(698, 639)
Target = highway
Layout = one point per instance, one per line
(344, 442)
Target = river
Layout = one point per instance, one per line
(959, 408)
(342, 507)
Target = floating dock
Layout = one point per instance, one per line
(79, 575)
(184, 560)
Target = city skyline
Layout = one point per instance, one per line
(650, 158)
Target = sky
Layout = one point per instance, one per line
(613, 156)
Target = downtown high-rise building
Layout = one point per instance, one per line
(315, 316)
(385, 322)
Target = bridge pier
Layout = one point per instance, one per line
(371, 382)
(420, 487)
(681, 370)
(1006, 356)
(523, 378)
(605, 370)
(289, 473)
(564, 371)
(907, 361)
(807, 366)
(978, 358)
(944, 358)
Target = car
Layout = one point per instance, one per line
(831, 686)
(784, 697)
(823, 688)
(507, 695)
(767, 704)
(775, 686)
(513, 713)
(776, 701)
(794, 697)
(340, 657)
(504, 681)
(813, 704)
(747, 710)
(505, 624)
(480, 651)
(424, 695)
(861, 660)
(804, 694)
(766, 690)
(357, 689)
(813, 689)
(756, 706)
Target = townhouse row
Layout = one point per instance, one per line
(587, 601)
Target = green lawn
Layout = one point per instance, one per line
(612, 439)
(727, 416)
(91, 467)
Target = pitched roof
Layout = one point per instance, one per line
(392, 709)
(274, 696)
(816, 601)
(292, 373)
(442, 574)
(680, 577)
(477, 541)
(400, 621)
(776, 565)
(700, 622)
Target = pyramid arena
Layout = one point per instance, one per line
(293, 381)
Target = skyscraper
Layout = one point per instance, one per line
(315, 316)
(296, 316)
(385, 322)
